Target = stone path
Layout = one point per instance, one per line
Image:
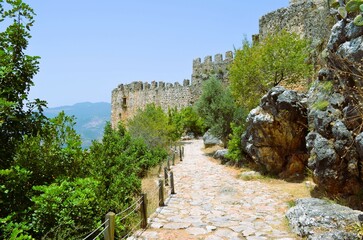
(213, 204)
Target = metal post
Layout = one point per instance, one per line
(143, 211)
(172, 183)
(161, 193)
(166, 176)
(109, 234)
(173, 158)
(183, 151)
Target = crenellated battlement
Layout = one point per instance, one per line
(145, 86)
(128, 98)
(219, 67)
(218, 59)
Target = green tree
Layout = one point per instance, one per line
(54, 154)
(185, 121)
(175, 123)
(17, 115)
(191, 121)
(279, 58)
(217, 107)
(151, 124)
(118, 162)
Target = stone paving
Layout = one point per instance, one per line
(210, 203)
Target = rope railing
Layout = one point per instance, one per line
(127, 209)
(101, 232)
(94, 231)
(132, 231)
(140, 205)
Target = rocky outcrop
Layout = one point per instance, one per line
(210, 140)
(318, 219)
(221, 154)
(335, 115)
(275, 136)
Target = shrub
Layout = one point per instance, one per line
(279, 58)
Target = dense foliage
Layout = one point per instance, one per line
(50, 188)
(58, 190)
(17, 115)
(151, 125)
(185, 121)
(280, 58)
(218, 108)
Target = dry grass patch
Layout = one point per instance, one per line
(149, 185)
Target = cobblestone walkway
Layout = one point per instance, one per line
(212, 204)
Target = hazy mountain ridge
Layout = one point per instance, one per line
(90, 117)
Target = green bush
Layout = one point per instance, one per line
(66, 210)
(280, 58)
(192, 122)
(217, 107)
(235, 151)
(185, 121)
(151, 125)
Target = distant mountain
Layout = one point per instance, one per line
(90, 117)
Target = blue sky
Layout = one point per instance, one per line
(88, 48)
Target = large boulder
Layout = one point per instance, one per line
(210, 140)
(275, 135)
(319, 219)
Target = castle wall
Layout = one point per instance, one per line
(128, 98)
(309, 18)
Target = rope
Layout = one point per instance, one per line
(127, 209)
(131, 212)
(101, 232)
(132, 230)
(96, 230)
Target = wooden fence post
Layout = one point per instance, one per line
(166, 176)
(161, 193)
(172, 183)
(180, 154)
(143, 210)
(109, 234)
(168, 163)
(173, 158)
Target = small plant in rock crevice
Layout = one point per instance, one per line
(348, 8)
(321, 105)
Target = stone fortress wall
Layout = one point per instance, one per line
(128, 98)
(309, 18)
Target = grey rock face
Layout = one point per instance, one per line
(353, 31)
(210, 140)
(275, 135)
(335, 152)
(359, 144)
(221, 154)
(319, 219)
(352, 50)
(335, 235)
(337, 36)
